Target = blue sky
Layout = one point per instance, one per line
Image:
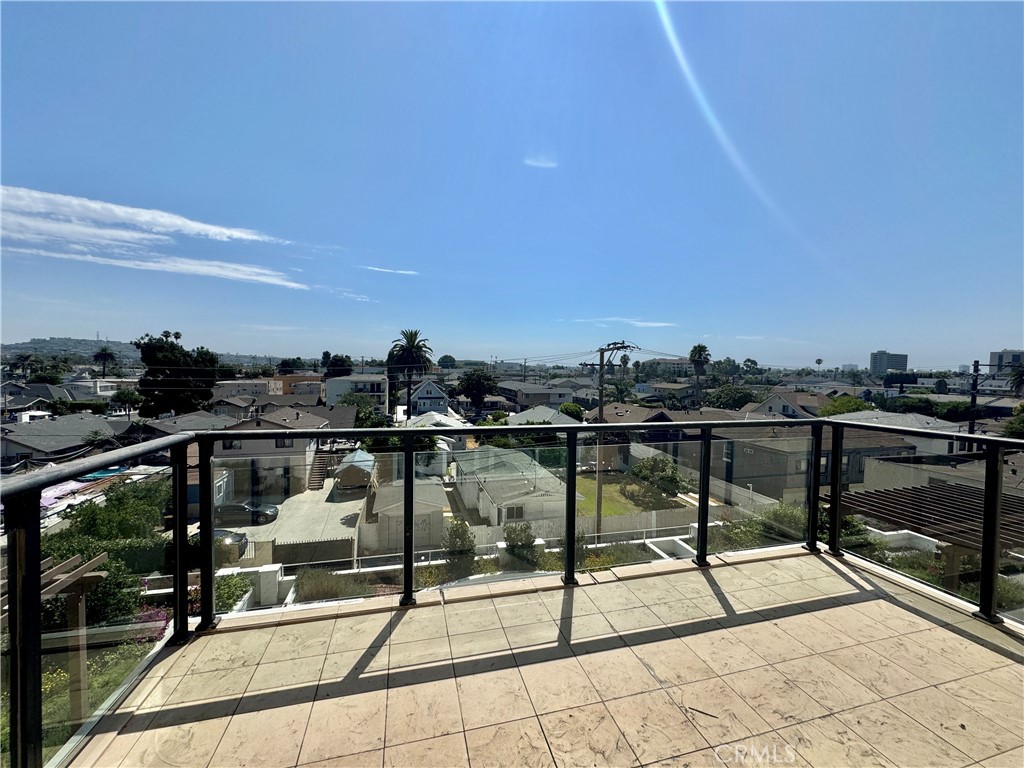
(790, 181)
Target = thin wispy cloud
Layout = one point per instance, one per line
(628, 321)
(45, 208)
(541, 160)
(391, 271)
(750, 338)
(246, 273)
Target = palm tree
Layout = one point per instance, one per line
(699, 358)
(818, 362)
(624, 362)
(411, 354)
(1017, 379)
(104, 355)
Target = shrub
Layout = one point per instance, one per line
(519, 543)
(459, 544)
(228, 590)
(312, 584)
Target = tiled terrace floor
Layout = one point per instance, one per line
(802, 660)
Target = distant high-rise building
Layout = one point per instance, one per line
(1001, 362)
(882, 361)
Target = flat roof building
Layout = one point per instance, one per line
(882, 361)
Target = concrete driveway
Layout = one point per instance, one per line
(312, 516)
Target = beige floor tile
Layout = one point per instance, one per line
(672, 662)
(372, 759)
(718, 712)
(277, 674)
(233, 650)
(438, 752)
(432, 650)
(900, 738)
(962, 651)
(692, 584)
(768, 573)
(775, 698)
(586, 736)
(357, 633)
(826, 684)
(728, 579)
(654, 727)
(990, 699)
(422, 711)
(475, 616)
(418, 624)
(1012, 759)
(813, 632)
(760, 751)
(533, 634)
(218, 684)
(772, 644)
(898, 619)
(493, 697)
(355, 671)
(184, 744)
(291, 641)
(921, 662)
(516, 744)
(269, 738)
(558, 684)
(515, 610)
(854, 624)
(939, 613)
(723, 605)
(633, 619)
(960, 725)
(704, 758)
(653, 590)
(757, 598)
(836, 586)
(568, 603)
(613, 597)
(995, 636)
(874, 671)
(363, 718)
(799, 592)
(487, 641)
(723, 652)
(586, 627)
(114, 747)
(830, 743)
(175, 660)
(617, 672)
(680, 610)
(1010, 677)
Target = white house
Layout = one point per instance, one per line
(426, 396)
(382, 526)
(506, 485)
(372, 384)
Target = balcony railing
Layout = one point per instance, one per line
(598, 495)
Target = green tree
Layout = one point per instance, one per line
(289, 365)
(338, 365)
(1015, 426)
(325, 358)
(623, 365)
(637, 367)
(128, 399)
(459, 544)
(476, 385)
(1017, 379)
(730, 397)
(519, 543)
(446, 361)
(750, 367)
(572, 410)
(844, 404)
(941, 387)
(409, 356)
(176, 379)
(104, 356)
(699, 359)
(661, 472)
(620, 390)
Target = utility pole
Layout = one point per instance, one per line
(974, 396)
(524, 370)
(615, 346)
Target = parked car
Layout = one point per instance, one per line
(232, 537)
(245, 513)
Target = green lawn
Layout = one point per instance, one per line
(615, 500)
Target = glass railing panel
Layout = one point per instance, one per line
(759, 487)
(288, 519)
(107, 598)
(636, 498)
(915, 504)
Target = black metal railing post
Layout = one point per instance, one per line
(408, 557)
(179, 532)
(570, 509)
(704, 498)
(207, 594)
(21, 515)
(814, 490)
(835, 495)
(991, 522)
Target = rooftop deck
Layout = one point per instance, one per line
(762, 659)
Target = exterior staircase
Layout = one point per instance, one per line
(318, 471)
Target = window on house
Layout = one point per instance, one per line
(231, 445)
(514, 513)
(284, 442)
(727, 452)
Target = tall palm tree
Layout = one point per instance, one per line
(411, 354)
(699, 359)
(1017, 379)
(624, 362)
(104, 355)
